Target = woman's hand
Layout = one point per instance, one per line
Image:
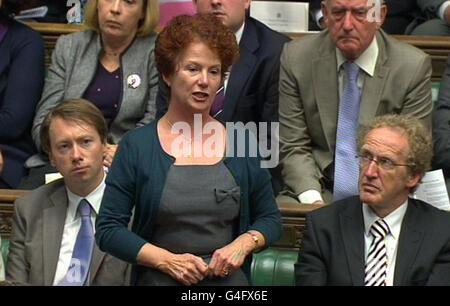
(226, 260)
(188, 269)
(108, 154)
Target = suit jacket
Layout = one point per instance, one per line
(441, 127)
(21, 82)
(309, 102)
(332, 250)
(252, 90)
(37, 229)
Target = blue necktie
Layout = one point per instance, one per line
(346, 170)
(82, 252)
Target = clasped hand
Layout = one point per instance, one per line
(189, 269)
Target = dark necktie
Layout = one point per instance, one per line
(217, 105)
(82, 252)
(346, 171)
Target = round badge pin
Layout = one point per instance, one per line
(133, 81)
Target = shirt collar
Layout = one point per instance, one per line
(393, 220)
(366, 61)
(239, 32)
(94, 198)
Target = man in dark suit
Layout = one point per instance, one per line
(416, 17)
(52, 239)
(381, 237)
(441, 127)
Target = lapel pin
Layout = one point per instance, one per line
(133, 81)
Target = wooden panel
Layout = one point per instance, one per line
(7, 198)
(294, 218)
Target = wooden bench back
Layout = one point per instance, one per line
(294, 218)
(437, 47)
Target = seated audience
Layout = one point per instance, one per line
(441, 127)
(52, 238)
(198, 214)
(112, 65)
(415, 17)
(381, 237)
(355, 72)
(21, 81)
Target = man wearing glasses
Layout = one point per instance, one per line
(381, 237)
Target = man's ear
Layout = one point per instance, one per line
(383, 13)
(247, 4)
(414, 180)
(50, 158)
(324, 21)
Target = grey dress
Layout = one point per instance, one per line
(198, 214)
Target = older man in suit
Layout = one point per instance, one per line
(416, 17)
(322, 105)
(381, 237)
(52, 240)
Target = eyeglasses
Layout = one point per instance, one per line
(382, 162)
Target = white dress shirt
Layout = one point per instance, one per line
(394, 221)
(72, 225)
(366, 62)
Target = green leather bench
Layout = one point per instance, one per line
(270, 267)
(273, 267)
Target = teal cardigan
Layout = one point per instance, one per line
(135, 183)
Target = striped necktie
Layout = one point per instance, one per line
(82, 252)
(346, 169)
(376, 263)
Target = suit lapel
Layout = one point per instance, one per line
(324, 72)
(241, 70)
(97, 259)
(352, 229)
(54, 217)
(373, 86)
(410, 240)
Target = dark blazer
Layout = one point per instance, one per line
(252, 90)
(332, 251)
(441, 127)
(21, 82)
(37, 229)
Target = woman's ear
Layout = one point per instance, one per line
(166, 80)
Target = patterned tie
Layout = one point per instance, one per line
(376, 263)
(82, 252)
(346, 171)
(217, 106)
